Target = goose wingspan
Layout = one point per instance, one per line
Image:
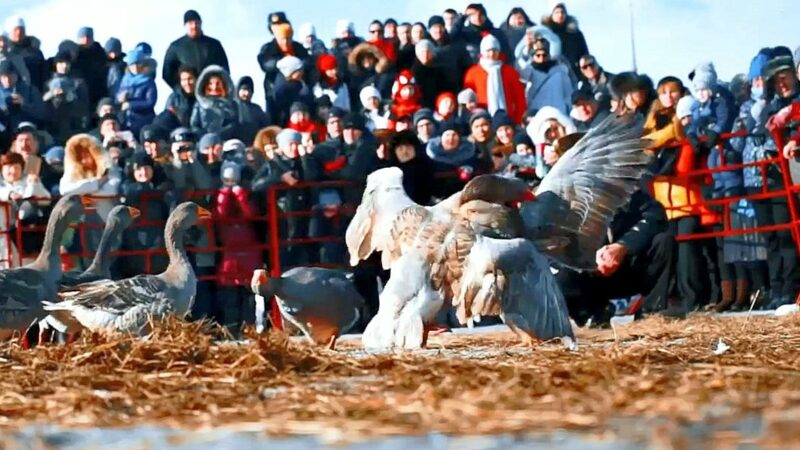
(511, 278)
(578, 198)
(21, 292)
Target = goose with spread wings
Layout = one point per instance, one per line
(127, 305)
(454, 254)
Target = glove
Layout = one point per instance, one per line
(712, 137)
(759, 139)
(335, 165)
(465, 173)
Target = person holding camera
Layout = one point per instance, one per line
(22, 196)
(187, 172)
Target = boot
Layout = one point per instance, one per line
(742, 302)
(726, 286)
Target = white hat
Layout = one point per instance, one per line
(343, 25)
(306, 30)
(14, 22)
(489, 42)
(289, 65)
(367, 93)
(686, 105)
(538, 126)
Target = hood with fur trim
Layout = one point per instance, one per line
(364, 49)
(73, 168)
(538, 126)
(202, 80)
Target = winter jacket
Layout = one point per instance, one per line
(379, 76)
(188, 176)
(32, 109)
(470, 36)
(418, 178)
(115, 70)
(716, 116)
(240, 256)
(431, 79)
(199, 53)
(447, 162)
(754, 148)
(343, 48)
(454, 57)
(28, 49)
(251, 119)
(141, 97)
(477, 79)
(636, 224)
(215, 114)
(548, 84)
(285, 93)
(101, 186)
(181, 105)
(353, 162)
(268, 58)
(339, 93)
(148, 233)
(90, 64)
(324, 227)
(573, 44)
(18, 63)
(66, 115)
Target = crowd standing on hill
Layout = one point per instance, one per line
(443, 99)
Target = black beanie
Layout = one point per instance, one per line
(191, 15)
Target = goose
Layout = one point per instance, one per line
(436, 262)
(322, 303)
(23, 290)
(118, 220)
(127, 305)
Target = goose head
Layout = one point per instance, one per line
(123, 216)
(68, 210)
(186, 215)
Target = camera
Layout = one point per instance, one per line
(185, 148)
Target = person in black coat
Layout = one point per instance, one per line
(289, 88)
(180, 103)
(573, 44)
(449, 54)
(274, 50)
(90, 64)
(251, 117)
(27, 47)
(195, 49)
(635, 260)
(471, 28)
(408, 154)
(430, 75)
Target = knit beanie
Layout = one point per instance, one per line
(209, 140)
(326, 62)
(367, 93)
(489, 42)
(705, 76)
(286, 137)
(467, 96)
(501, 119)
(230, 171)
(289, 65)
(113, 45)
(757, 63)
(423, 114)
(686, 105)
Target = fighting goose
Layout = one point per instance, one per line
(22, 290)
(126, 305)
(455, 261)
(118, 220)
(322, 303)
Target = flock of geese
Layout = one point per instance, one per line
(489, 249)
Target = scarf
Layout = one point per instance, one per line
(496, 96)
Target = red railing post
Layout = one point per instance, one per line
(787, 185)
(273, 216)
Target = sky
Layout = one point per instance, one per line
(671, 36)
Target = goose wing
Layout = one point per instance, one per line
(21, 293)
(578, 198)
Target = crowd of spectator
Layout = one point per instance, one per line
(444, 100)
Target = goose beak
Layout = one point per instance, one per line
(88, 201)
(203, 214)
(134, 212)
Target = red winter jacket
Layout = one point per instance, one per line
(477, 79)
(239, 259)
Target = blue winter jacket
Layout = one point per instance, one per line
(142, 95)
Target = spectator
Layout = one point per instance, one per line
(471, 29)
(290, 88)
(141, 191)
(407, 152)
(88, 171)
(265, 142)
(523, 162)
(215, 110)
(586, 110)
(332, 83)
(500, 155)
(273, 51)
(345, 42)
(187, 173)
(450, 55)
(26, 143)
(181, 102)
(90, 64)
(388, 47)
(194, 49)
(406, 97)
(237, 236)
(154, 145)
(16, 60)
(515, 25)
(480, 134)
(633, 93)
(594, 77)
(450, 153)
(105, 106)
(351, 159)
(503, 129)
(308, 35)
(431, 77)
(449, 16)
(115, 65)
(107, 126)
(424, 125)
(209, 149)
(65, 114)
(405, 48)
(548, 81)
(328, 221)
(496, 85)
(573, 44)
(300, 121)
(251, 117)
(19, 102)
(446, 106)
(26, 47)
(368, 66)
(390, 30)
(137, 93)
(546, 127)
(62, 65)
(523, 52)
(375, 116)
(467, 105)
(333, 126)
(26, 196)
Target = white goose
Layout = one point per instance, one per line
(127, 305)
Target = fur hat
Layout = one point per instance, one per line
(705, 76)
(289, 65)
(489, 42)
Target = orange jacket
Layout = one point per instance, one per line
(477, 79)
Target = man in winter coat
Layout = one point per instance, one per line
(497, 85)
(449, 54)
(19, 102)
(115, 65)
(274, 50)
(27, 47)
(16, 60)
(430, 75)
(180, 103)
(515, 26)
(548, 81)
(473, 27)
(195, 49)
(251, 117)
(573, 44)
(91, 65)
(595, 79)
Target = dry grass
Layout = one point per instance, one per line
(476, 384)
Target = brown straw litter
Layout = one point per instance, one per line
(463, 384)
